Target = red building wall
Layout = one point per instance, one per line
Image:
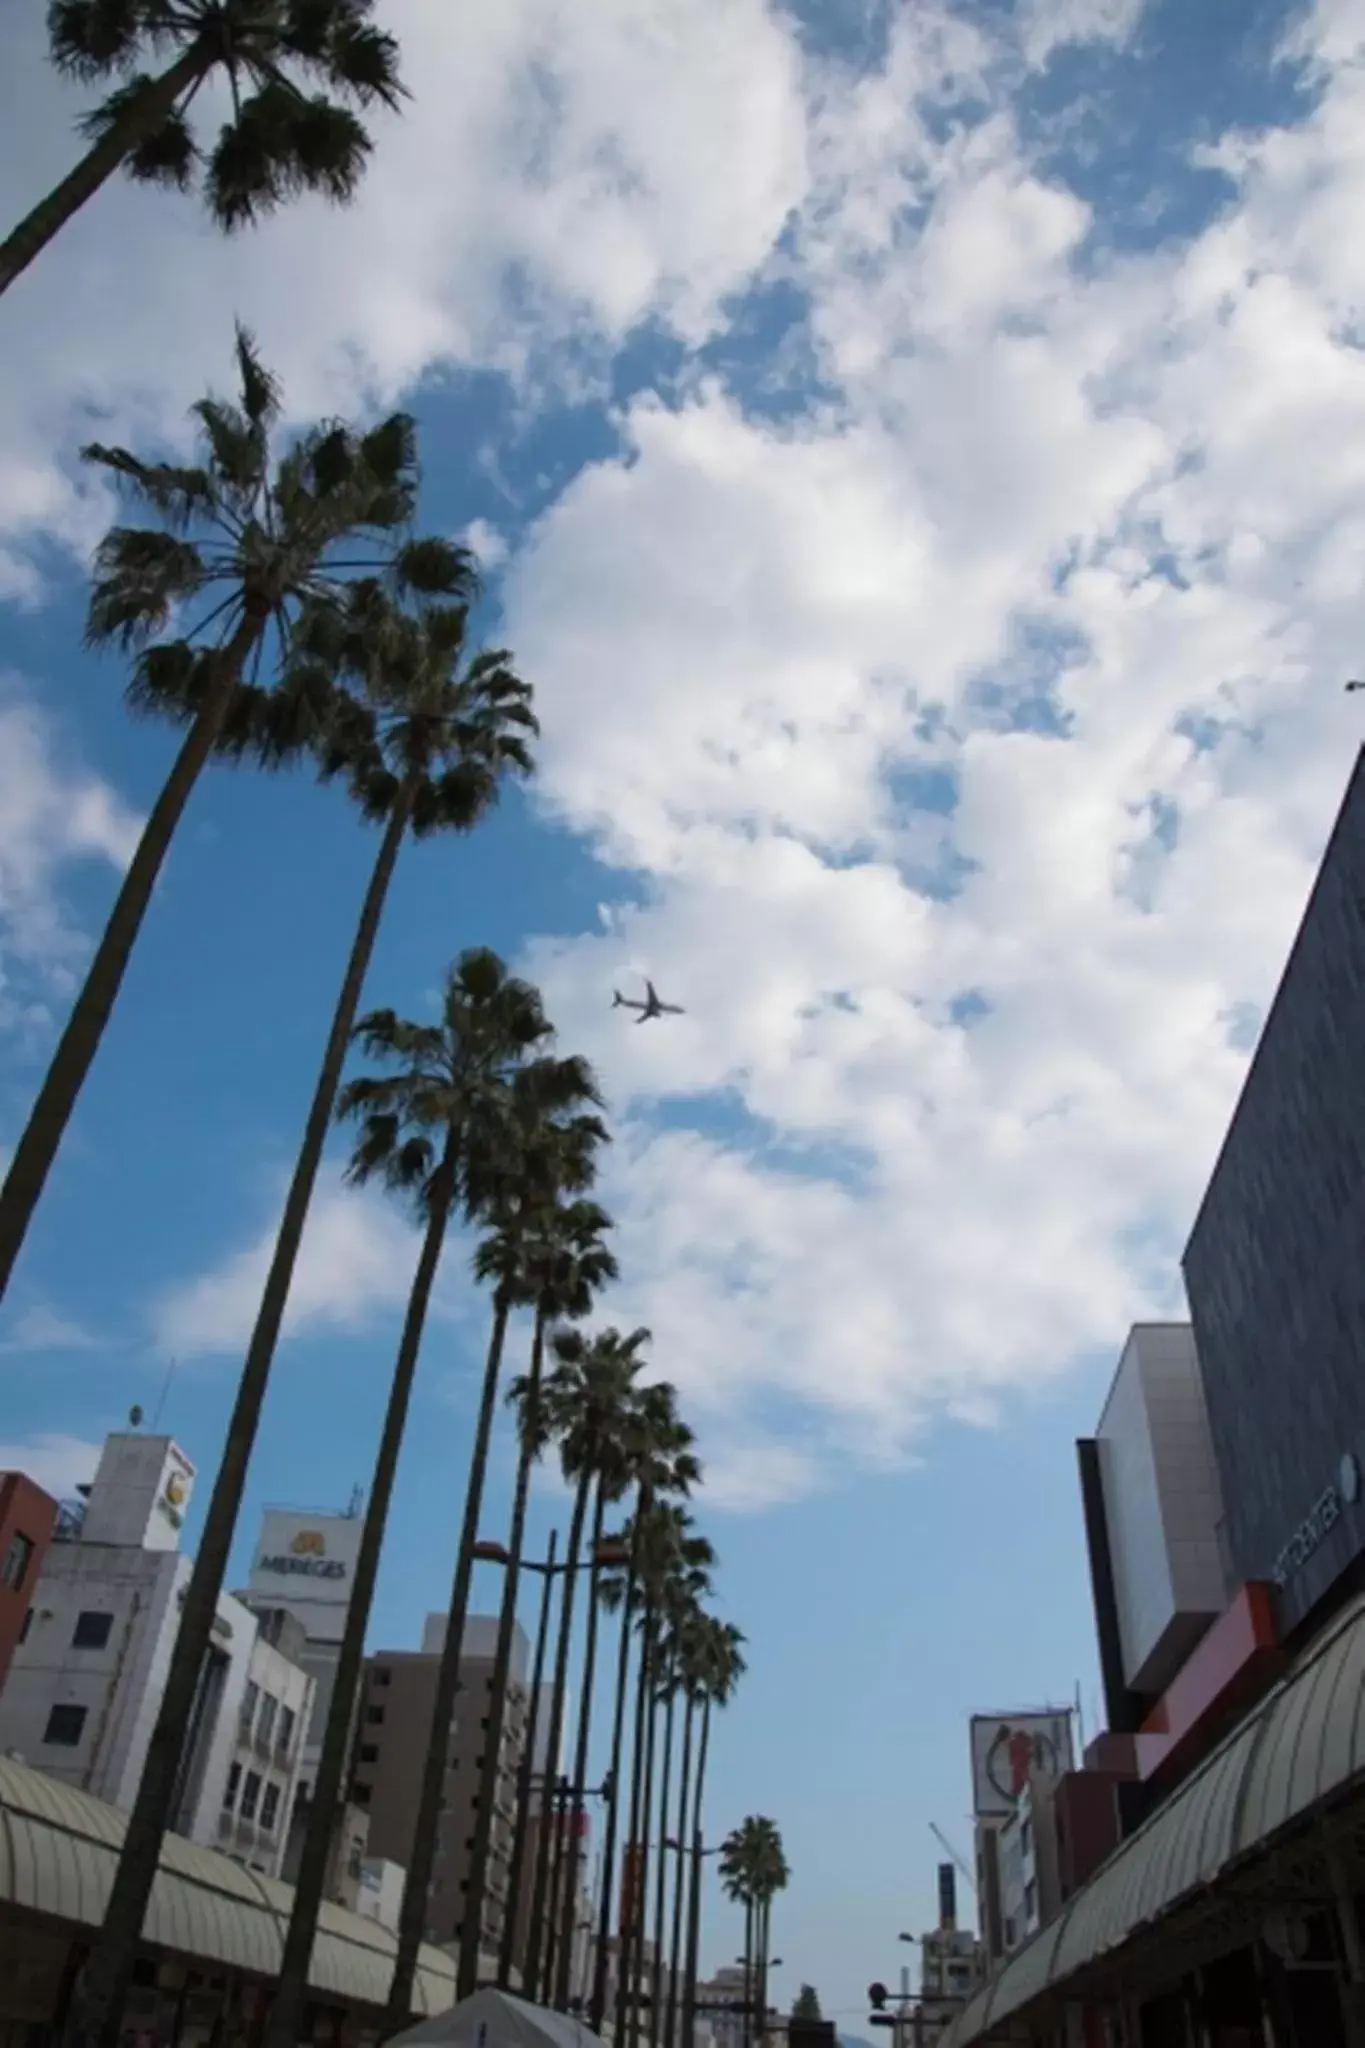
(27, 1518)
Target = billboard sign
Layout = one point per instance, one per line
(302, 1558)
(1008, 1748)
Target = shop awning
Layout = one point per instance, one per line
(58, 1852)
(1304, 1744)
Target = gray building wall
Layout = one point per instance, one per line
(1274, 1268)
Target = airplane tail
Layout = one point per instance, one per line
(618, 1001)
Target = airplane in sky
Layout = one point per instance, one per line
(650, 1007)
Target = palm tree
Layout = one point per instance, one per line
(754, 1869)
(690, 1638)
(421, 1126)
(673, 1563)
(718, 1666)
(680, 1617)
(278, 141)
(538, 1161)
(430, 758)
(566, 1263)
(589, 1405)
(661, 1462)
(258, 537)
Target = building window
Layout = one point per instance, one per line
(234, 1779)
(270, 1807)
(374, 1715)
(18, 1558)
(64, 1726)
(251, 1792)
(286, 1736)
(360, 1795)
(249, 1699)
(382, 1674)
(91, 1631)
(265, 1726)
(25, 1625)
(369, 1752)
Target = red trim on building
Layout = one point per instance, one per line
(1228, 1670)
(28, 1517)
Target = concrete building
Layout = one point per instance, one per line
(720, 2002)
(397, 1700)
(1030, 1886)
(263, 1777)
(304, 1561)
(85, 1683)
(28, 1517)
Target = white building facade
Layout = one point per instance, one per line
(89, 1673)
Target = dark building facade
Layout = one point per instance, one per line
(1275, 1266)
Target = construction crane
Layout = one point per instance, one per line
(942, 1839)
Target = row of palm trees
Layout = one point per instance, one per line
(279, 609)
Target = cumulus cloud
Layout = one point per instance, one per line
(57, 1463)
(561, 176)
(43, 1329)
(54, 814)
(961, 713)
(356, 1260)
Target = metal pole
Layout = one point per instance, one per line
(517, 1861)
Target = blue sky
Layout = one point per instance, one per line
(916, 456)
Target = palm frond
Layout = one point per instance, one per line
(178, 494)
(167, 156)
(140, 576)
(89, 39)
(278, 145)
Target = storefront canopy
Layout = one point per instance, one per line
(1302, 1746)
(494, 2019)
(58, 1852)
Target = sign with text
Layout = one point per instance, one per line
(306, 1557)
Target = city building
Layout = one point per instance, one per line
(85, 1683)
(952, 1965)
(721, 2002)
(28, 1517)
(1007, 1752)
(263, 1776)
(1209, 1856)
(1273, 1268)
(396, 1706)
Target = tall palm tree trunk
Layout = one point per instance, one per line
(42, 1135)
(282, 2030)
(99, 2008)
(634, 1890)
(568, 1910)
(679, 1869)
(613, 1800)
(99, 163)
(413, 1911)
(526, 1775)
(656, 1999)
(554, 1890)
(471, 1929)
(764, 1917)
(694, 1899)
(540, 1940)
(646, 1825)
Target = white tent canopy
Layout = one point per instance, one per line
(495, 2019)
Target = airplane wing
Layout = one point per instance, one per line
(673, 1009)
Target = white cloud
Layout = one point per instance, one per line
(556, 179)
(1049, 25)
(967, 740)
(356, 1259)
(54, 813)
(1128, 497)
(57, 1463)
(44, 1329)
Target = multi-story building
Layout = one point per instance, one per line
(397, 1702)
(1273, 1268)
(721, 2002)
(85, 1682)
(28, 1517)
(262, 1780)
(87, 1676)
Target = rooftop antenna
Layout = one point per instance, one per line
(135, 1417)
(165, 1390)
(357, 1501)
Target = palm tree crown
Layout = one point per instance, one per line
(280, 137)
